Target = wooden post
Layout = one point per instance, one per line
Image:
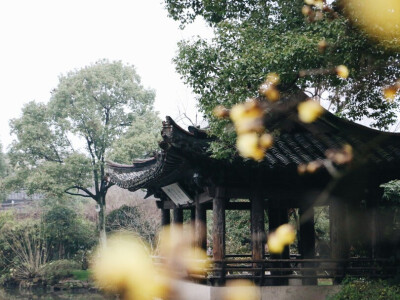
(257, 228)
(307, 241)
(339, 248)
(165, 217)
(257, 233)
(218, 228)
(373, 196)
(177, 215)
(200, 225)
(219, 236)
(276, 217)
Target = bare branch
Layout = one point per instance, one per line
(89, 194)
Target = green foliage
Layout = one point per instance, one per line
(27, 245)
(238, 237)
(391, 192)
(3, 173)
(368, 290)
(23, 249)
(66, 232)
(83, 275)
(54, 271)
(94, 107)
(253, 38)
(139, 141)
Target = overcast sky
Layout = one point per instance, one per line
(41, 39)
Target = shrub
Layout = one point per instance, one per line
(368, 290)
(66, 232)
(23, 249)
(54, 271)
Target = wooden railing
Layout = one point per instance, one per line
(294, 271)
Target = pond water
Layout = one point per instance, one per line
(17, 294)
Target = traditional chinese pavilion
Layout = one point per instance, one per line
(185, 176)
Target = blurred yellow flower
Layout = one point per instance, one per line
(248, 146)
(309, 2)
(309, 111)
(380, 19)
(247, 117)
(306, 10)
(313, 166)
(275, 245)
(195, 260)
(272, 94)
(390, 92)
(322, 45)
(273, 78)
(319, 4)
(221, 112)
(125, 266)
(286, 234)
(241, 290)
(266, 140)
(342, 71)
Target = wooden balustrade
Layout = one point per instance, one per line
(262, 271)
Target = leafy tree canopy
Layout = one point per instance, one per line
(62, 146)
(253, 38)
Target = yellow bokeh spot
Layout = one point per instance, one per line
(286, 234)
(322, 45)
(309, 2)
(125, 266)
(220, 111)
(273, 78)
(195, 260)
(272, 94)
(390, 93)
(309, 111)
(247, 117)
(380, 19)
(266, 140)
(342, 71)
(306, 10)
(275, 245)
(319, 4)
(241, 289)
(248, 146)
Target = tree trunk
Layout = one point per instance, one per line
(102, 222)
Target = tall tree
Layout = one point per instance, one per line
(254, 37)
(3, 172)
(62, 146)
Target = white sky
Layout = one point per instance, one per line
(40, 39)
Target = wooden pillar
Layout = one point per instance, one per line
(276, 217)
(165, 217)
(218, 228)
(257, 228)
(219, 237)
(307, 241)
(338, 233)
(373, 196)
(177, 215)
(200, 225)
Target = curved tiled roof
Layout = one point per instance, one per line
(184, 153)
